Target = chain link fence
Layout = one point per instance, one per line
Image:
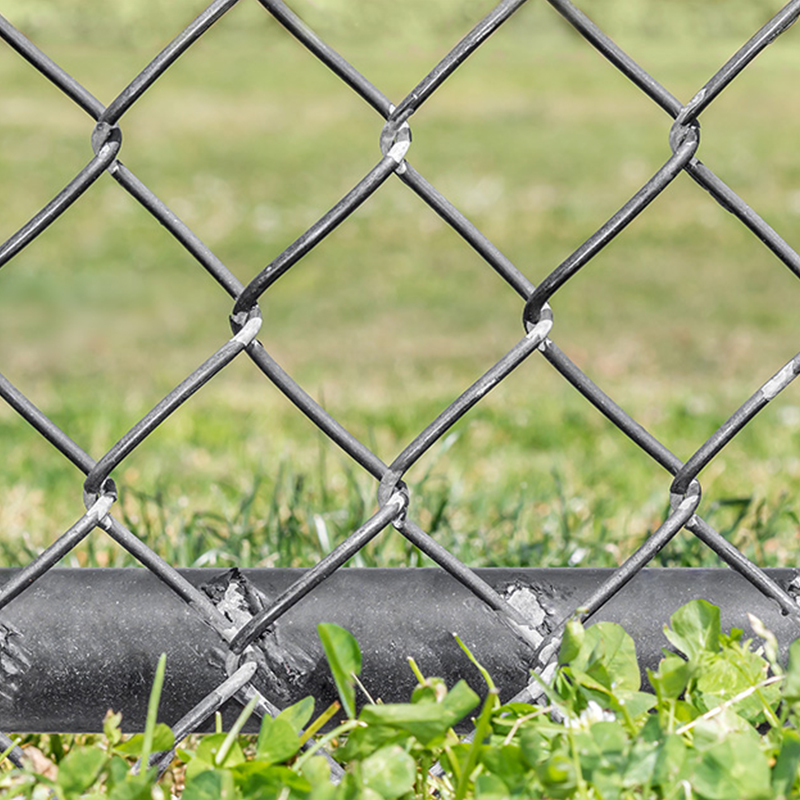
(244, 634)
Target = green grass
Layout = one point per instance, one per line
(538, 140)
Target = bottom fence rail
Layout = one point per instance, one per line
(80, 641)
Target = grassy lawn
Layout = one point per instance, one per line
(538, 140)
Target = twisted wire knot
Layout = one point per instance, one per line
(105, 134)
(393, 489)
(395, 139)
(683, 132)
(681, 499)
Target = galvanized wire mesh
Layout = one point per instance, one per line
(395, 504)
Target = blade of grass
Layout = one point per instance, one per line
(345, 727)
(416, 670)
(235, 730)
(320, 721)
(6, 753)
(482, 729)
(152, 710)
(486, 676)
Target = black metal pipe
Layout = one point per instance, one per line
(81, 641)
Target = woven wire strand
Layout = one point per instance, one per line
(395, 504)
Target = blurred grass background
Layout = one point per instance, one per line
(538, 140)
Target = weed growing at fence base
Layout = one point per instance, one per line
(720, 725)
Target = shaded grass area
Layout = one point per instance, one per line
(538, 141)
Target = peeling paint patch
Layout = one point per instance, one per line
(794, 586)
(283, 665)
(532, 604)
(15, 660)
(525, 599)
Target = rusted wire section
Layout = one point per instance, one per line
(240, 635)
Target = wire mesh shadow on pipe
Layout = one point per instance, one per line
(233, 635)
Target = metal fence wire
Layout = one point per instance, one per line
(241, 635)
